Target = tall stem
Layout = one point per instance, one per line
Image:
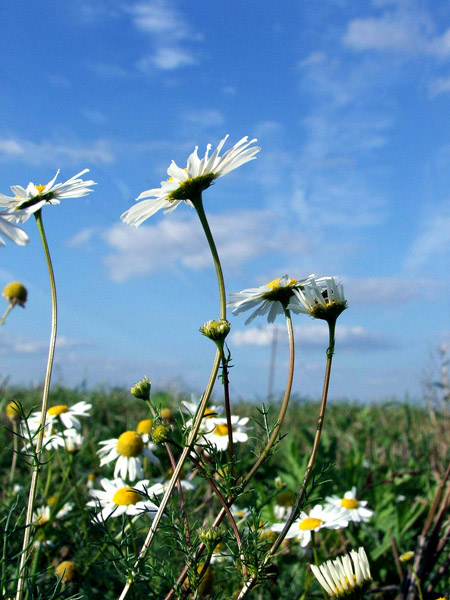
(40, 436)
(302, 493)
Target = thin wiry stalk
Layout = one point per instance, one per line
(303, 488)
(6, 313)
(40, 436)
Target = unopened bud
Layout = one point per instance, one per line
(160, 433)
(210, 536)
(216, 331)
(68, 571)
(141, 389)
(15, 293)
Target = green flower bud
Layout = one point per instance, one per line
(15, 293)
(216, 331)
(210, 536)
(160, 433)
(141, 389)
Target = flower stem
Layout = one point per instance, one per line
(8, 310)
(40, 436)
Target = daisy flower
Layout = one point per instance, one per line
(340, 577)
(317, 519)
(271, 298)
(218, 431)
(29, 200)
(144, 429)
(68, 415)
(117, 498)
(11, 231)
(42, 515)
(322, 298)
(74, 440)
(185, 185)
(160, 486)
(283, 505)
(353, 509)
(211, 411)
(128, 451)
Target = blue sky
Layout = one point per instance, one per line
(349, 102)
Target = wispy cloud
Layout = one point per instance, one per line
(55, 152)
(433, 240)
(18, 345)
(389, 290)
(205, 117)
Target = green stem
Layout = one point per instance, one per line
(40, 436)
(15, 451)
(8, 310)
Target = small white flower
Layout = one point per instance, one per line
(218, 431)
(211, 412)
(29, 200)
(317, 519)
(42, 514)
(271, 298)
(74, 439)
(68, 414)
(346, 573)
(128, 451)
(322, 298)
(353, 509)
(117, 498)
(11, 231)
(160, 486)
(185, 185)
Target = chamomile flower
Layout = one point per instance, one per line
(42, 514)
(117, 498)
(211, 412)
(353, 509)
(74, 440)
(344, 575)
(186, 185)
(218, 431)
(318, 518)
(271, 298)
(127, 450)
(283, 505)
(11, 231)
(322, 298)
(68, 415)
(29, 200)
(144, 428)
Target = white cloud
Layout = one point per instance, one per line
(388, 290)
(82, 238)
(178, 241)
(433, 241)
(441, 85)
(314, 336)
(55, 151)
(205, 117)
(16, 345)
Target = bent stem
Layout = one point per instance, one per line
(40, 436)
(302, 492)
(6, 313)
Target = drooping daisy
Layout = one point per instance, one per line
(27, 201)
(353, 509)
(68, 414)
(318, 518)
(128, 451)
(271, 298)
(218, 431)
(11, 231)
(117, 498)
(345, 574)
(186, 185)
(322, 298)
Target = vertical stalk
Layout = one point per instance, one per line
(40, 436)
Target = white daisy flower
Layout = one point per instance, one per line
(144, 429)
(211, 412)
(283, 505)
(317, 519)
(218, 431)
(68, 414)
(74, 440)
(128, 451)
(160, 486)
(11, 231)
(185, 185)
(271, 298)
(117, 498)
(322, 298)
(353, 509)
(42, 514)
(29, 200)
(346, 573)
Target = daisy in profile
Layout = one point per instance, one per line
(218, 431)
(345, 575)
(186, 185)
(127, 450)
(11, 231)
(353, 509)
(68, 415)
(29, 200)
(322, 298)
(271, 299)
(318, 518)
(117, 498)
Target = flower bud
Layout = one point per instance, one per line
(160, 433)
(210, 536)
(141, 389)
(12, 411)
(68, 571)
(15, 293)
(216, 331)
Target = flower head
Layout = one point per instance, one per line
(216, 331)
(29, 200)
(217, 433)
(271, 298)
(342, 577)
(15, 293)
(322, 298)
(68, 415)
(128, 451)
(13, 232)
(117, 498)
(185, 185)
(68, 571)
(141, 389)
(350, 506)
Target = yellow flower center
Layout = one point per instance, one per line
(275, 283)
(309, 523)
(144, 426)
(68, 570)
(209, 413)
(12, 411)
(349, 503)
(126, 496)
(166, 414)
(130, 444)
(40, 188)
(59, 409)
(279, 293)
(221, 430)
